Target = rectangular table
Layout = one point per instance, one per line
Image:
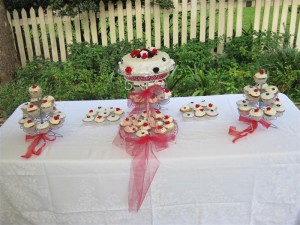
(203, 177)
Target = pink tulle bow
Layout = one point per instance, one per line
(250, 129)
(140, 98)
(144, 165)
(31, 150)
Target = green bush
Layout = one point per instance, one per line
(90, 70)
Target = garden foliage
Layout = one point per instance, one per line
(90, 71)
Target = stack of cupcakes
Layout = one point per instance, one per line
(40, 114)
(261, 99)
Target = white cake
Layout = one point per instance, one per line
(146, 62)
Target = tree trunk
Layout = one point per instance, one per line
(9, 62)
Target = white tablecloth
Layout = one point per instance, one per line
(203, 178)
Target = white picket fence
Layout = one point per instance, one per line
(48, 34)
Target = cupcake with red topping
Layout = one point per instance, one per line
(33, 111)
(99, 120)
(160, 130)
(253, 95)
(46, 106)
(260, 77)
(55, 122)
(200, 114)
(269, 113)
(118, 111)
(29, 126)
(43, 127)
(256, 114)
(35, 91)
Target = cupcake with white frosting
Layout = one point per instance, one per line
(35, 91)
(260, 77)
(99, 120)
(244, 109)
(87, 120)
(269, 113)
(200, 114)
(43, 127)
(29, 126)
(256, 114)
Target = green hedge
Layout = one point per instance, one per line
(90, 71)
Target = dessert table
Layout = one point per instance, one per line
(203, 178)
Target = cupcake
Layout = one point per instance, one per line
(168, 93)
(99, 120)
(197, 107)
(35, 100)
(100, 109)
(160, 130)
(276, 101)
(273, 89)
(118, 111)
(269, 113)
(242, 102)
(203, 103)
(43, 127)
(168, 118)
(267, 97)
(29, 126)
(46, 106)
(91, 112)
(55, 122)
(111, 109)
(144, 114)
(247, 89)
(253, 95)
(157, 114)
(35, 91)
(185, 109)
(55, 110)
(279, 109)
(244, 109)
(24, 107)
(169, 125)
(49, 98)
(200, 114)
(256, 114)
(61, 115)
(104, 113)
(23, 120)
(33, 111)
(142, 133)
(212, 113)
(87, 120)
(262, 87)
(152, 121)
(188, 115)
(130, 129)
(145, 126)
(260, 77)
(139, 122)
(125, 122)
(113, 118)
(211, 106)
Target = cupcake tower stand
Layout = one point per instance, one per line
(145, 130)
(260, 106)
(40, 118)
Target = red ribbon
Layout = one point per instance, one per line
(31, 150)
(144, 163)
(250, 129)
(143, 97)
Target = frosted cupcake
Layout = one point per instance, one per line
(211, 106)
(262, 87)
(188, 116)
(212, 113)
(244, 109)
(130, 129)
(169, 125)
(23, 120)
(29, 126)
(198, 107)
(104, 113)
(168, 118)
(33, 111)
(267, 97)
(142, 133)
(125, 122)
(253, 95)
(24, 107)
(113, 118)
(273, 89)
(43, 127)
(100, 109)
(185, 109)
(35, 91)
(46, 106)
(111, 109)
(269, 113)
(61, 115)
(91, 112)
(49, 98)
(87, 120)
(160, 130)
(200, 114)
(145, 126)
(256, 114)
(247, 89)
(279, 109)
(55, 122)
(203, 103)
(118, 111)
(242, 102)
(260, 77)
(99, 120)
(157, 114)
(167, 94)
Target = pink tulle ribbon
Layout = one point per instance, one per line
(144, 164)
(31, 150)
(142, 97)
(250, 129)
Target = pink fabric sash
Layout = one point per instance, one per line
(31, 150)
(250, 129)
(143, 96)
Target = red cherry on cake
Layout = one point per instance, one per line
(268, 108)
(255, 90)
(128, 70)
(167, 122)
(29, 121)
(31, 106)
(91, 111)
(261, 71)
(201, 110)
(56, 117)
(210, 105)
(45, 100)
(34, 86)
(118, 109)
(145, 124)
(167, 90)
(159, 127)
(99, 117)
(157, 111)
(256, 110)
(127, 119)
(197, 105)
(166, 117)
(277, 99)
